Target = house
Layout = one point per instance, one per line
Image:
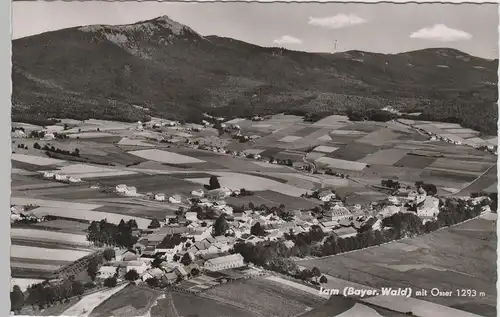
(18, 134)
(106, 272)
(428, 208)
(204, 202)
(160, 197)
(345, 232)
(198, 193)
(224, 262)
(328, 226)
(388, 211)
(201, 233)
(219, 193)
(139, 266)
(339, 213)
(153, 273)
(122, 188)
(326, 195)
(61, 178)
(48, 136)
(169, 278)
(176, 199)
(289, 244)
(74, 179)
(131, 191)
(181, 272)
(48, 175)
(128, 255)
(191, 216)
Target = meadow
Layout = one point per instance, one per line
(451, 258)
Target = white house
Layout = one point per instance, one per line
(429, 208)
(48, 175)
(139, 266)
(160, 197)
(122, 188)
(106, 272)
(197, 193)
(61, 178)
(131, 191)
(74, 179)
(192, 216)
(219, 193)
(18, 134)
(224, 262)
(49, 136)
(326, 195)
(176, 199)
(338, 213)
(200, 233)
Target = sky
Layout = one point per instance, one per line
(312, 27)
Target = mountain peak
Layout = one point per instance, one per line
(146, 28)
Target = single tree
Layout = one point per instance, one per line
(37, 146)
(315, 272)
(92, 268)
(109, 254)
(157, 262)
(16, 299)
(213, 183)
(186, 259)
(110, 282)
(195, 272)
(152, 282)
(257, 230)
(132, 275)
(154, 224)
(220, 226)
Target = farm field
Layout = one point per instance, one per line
(87, 304)
(165, 157)
(130, 301)
(453, 258)
(35, 160)
(265, 297)
(45, 235)
(28, 252)
(192, 305)
(89, 215)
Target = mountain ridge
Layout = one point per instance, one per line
(169, 68)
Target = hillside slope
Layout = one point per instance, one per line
(102, 71)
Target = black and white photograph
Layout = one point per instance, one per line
(246, 159)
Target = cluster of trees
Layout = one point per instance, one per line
(45, 294)
(75, 152)
(287, 162)
(14, 129)
(274, 256)
(102, 233)
(22, 146)
(389, 183)
(430, 189)
(34, 120)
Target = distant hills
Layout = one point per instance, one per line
(161, 67)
